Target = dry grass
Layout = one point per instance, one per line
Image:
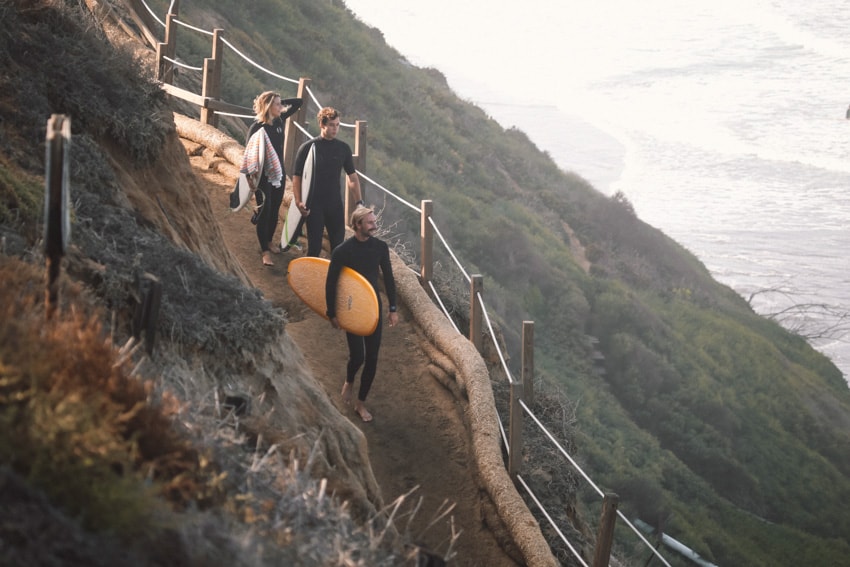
(83, 435)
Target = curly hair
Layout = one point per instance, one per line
(327, 114)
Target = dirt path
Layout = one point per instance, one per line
(417, 437)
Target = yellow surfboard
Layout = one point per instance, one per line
(356, 302)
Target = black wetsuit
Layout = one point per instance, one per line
(363, 257)
(325, 197)
(272, 196)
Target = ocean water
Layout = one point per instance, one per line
(722, 122)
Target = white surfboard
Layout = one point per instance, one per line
(293, 215)
(244, 191)
(242, 183)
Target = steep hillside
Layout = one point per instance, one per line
(246, 405)
(721, 426)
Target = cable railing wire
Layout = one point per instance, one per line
(153, 15)
(183, 65)
(442, 306)
(449, 249)
(493, 338)
(587, 478)
(641, 536)
(388, 192)
(255, 64)
(560, 448)
(191, 27)
(551, 521)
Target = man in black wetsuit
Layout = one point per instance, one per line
(364, 253)
(326, 208)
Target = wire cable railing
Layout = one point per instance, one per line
(551, 521)
(434, 293)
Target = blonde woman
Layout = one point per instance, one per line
(270, 114)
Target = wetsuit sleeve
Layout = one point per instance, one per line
(389, 280)
(301, 159)
(294, 104)
(330, 285)
(348, 164)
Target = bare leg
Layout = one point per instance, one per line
(346, 393)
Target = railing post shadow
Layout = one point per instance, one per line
(528, 361)
(605, 534)
(515, 431)
(476, 286)
(426, 242)
(211, 87)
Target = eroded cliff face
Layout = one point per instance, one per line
(290, 410)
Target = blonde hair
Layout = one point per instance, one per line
(360, 213)
(262, 105)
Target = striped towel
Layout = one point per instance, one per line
(260, 154)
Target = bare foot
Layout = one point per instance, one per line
(267, 259)
(362, 411)
(346, 393)
(274, 248)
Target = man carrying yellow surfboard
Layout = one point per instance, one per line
(365, 254)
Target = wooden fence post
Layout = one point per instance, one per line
(528, 361)
(605, 534)
(57, 220)
(146, 314)
(165, 68)
(426, 242)
(359, 155)
(360, 137)
(515, 431)
(361, 130)
(476, 334)
(293, 136)
(211, 87)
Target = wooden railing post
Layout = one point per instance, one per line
(528, 360)
(426, 242)
(57, 220)
(476, 333)
(211, 87)
(146, 315)
(293, 136)
(605, 534)
(361, 130)
(165, 68)
(515, 431)
(360, 137)
(359, 155)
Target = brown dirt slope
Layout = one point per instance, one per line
(421, 435)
